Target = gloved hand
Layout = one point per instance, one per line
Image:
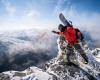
(84, 44)
(54, 31)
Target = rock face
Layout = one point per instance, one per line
(75, 71)
(4, 76)
(71, 71)
(54, 70)
(32, 73)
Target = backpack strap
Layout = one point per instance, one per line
(79, 35)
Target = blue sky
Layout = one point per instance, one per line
(43, 14)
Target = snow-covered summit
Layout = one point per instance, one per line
(56, 70)
(32, 73)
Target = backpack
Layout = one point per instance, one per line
(72, 35)
(79, 35)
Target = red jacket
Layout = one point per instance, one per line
(70, 35)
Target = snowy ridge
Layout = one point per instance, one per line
(32, 73)
(56, 70)
(78, 71)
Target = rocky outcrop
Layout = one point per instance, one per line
(71, 71)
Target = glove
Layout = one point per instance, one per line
(54, 31)
(84, 44)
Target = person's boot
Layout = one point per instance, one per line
(85, 62)
(85, 59)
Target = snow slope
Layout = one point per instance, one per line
(32, 73)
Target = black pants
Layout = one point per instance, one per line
(78, 48)
(70, 52)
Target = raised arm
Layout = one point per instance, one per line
(57, 32)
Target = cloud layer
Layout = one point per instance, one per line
(19, 50)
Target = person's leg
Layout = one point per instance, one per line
(69, 51)
(61, 49)
(82, 53)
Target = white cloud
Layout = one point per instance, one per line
(11, 9)
(32, 13)
(30, 18)
(26, 23)
(59, 6)
(85, 19)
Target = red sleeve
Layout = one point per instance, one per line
(60, 33)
